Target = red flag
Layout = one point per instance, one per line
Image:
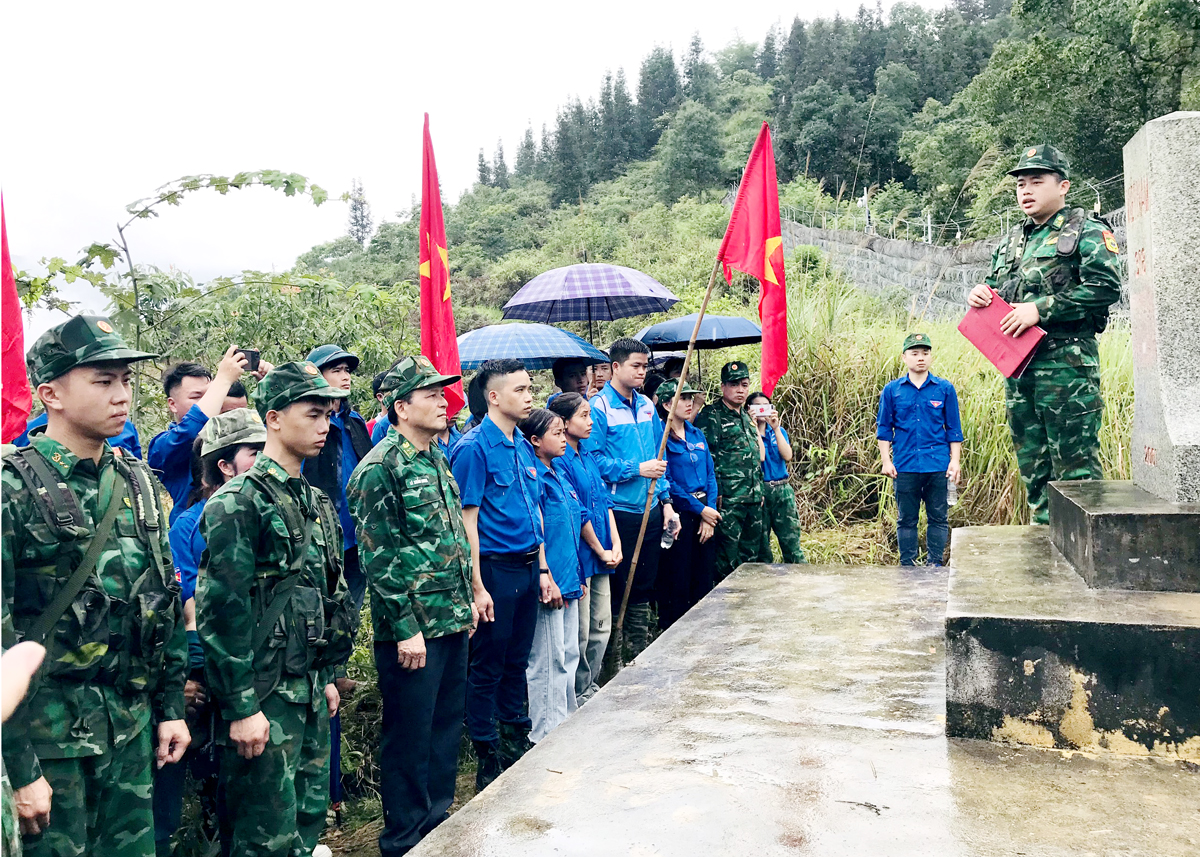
(754, 244)
(438, 339)
(16, 400)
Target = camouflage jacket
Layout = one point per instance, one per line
(733, 442)
(249, 552)
(118, 655)
(1072, 290)
(412, 544)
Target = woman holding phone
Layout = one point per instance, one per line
(779, 500)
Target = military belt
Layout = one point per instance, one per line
(773, 483)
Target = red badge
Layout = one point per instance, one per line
(1110, 241)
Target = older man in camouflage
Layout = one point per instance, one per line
(87, 571)
(1060, 268)
(417, 559)
(737, 453)
(276, 620)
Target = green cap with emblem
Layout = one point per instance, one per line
(79, 341)
(239, 427)
(917, 340)
(667, 390)
(413, 373)
(734, 371)
(1042, 159)
(292, 382)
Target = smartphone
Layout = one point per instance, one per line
(251, 358)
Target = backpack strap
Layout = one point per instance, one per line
(145, 506)
(293, 519)
(48, 618)
(281, 595)
(54, 498)
(1068, 237)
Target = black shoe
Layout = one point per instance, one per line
(487, 755)
(514, 743)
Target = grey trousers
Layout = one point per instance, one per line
(595, 627)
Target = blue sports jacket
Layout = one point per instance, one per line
(624, 434)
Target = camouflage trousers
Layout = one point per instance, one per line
(780, 515)
(739, 536)
(101, 804)
(1054, 413)
(276, 802)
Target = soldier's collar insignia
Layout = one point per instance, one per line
(1059, 221)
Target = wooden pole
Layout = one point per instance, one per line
(618, 635)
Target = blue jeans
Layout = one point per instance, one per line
(911, 490)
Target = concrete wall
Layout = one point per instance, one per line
(880, 265)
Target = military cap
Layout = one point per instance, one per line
(413, 373)
(327, 355)
(79, 341)
(667, 389)
(735, 371)
(238, 427)
(290, 383)
(1042, 159)
(917, 340)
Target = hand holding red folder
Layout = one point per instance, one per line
(1009, 354)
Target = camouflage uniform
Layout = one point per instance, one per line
(254, 528)
(733, 442)
(417, 560)
(117, 655)
(1069, 267)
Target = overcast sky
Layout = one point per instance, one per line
(105, 102)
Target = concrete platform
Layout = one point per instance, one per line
(1036, 656)
(1119, 536)
(800, 710)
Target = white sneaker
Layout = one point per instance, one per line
(322, 851)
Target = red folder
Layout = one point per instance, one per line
(981, 327)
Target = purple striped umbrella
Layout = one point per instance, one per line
(589, 292)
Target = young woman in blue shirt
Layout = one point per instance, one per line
(779, 500)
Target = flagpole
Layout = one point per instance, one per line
(618, 635)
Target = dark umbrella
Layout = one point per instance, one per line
(589, 292)
(535, 345)
(716, 331)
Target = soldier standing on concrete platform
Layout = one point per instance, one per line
(417, 559)
(1061, 270)
(276, 620)
(87, 572)
(737, 453)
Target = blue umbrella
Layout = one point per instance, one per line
(535, 345)
(589, 292)
(716, 331)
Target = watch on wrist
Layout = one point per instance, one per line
(544, 570)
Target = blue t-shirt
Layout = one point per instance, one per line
(451, 441)
(774, 467)
(500, 476)
(187, 546)
(920, 422)
(127, 439)
(563, 517)
(583, 473)
(170, 456)
(690, 470)
(379, 430)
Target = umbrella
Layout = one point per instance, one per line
(535, 345)
(589, 292)
(716, 331)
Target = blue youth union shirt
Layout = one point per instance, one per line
(500, 476)
(774, 467)
(921, 423)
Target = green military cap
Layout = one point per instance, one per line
(78, 341)
(734, 371)
(238, 427)
(667, 390)
(413, 373)
(917, 340)
(290, 383)
(1042, 159)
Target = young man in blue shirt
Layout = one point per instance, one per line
(626, 433)
(920, 441)
(496, 470)
(194, 396)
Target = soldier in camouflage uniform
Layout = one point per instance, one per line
(1062, 271)
(737, 453)
(417, 559)
(87, 571)
(276, 620)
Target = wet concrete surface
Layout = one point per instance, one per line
(800, 710)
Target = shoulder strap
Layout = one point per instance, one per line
(49, 617)
(1068, 238)
(145, 505)
(287, 506)
(281, 595)
(55, 500)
